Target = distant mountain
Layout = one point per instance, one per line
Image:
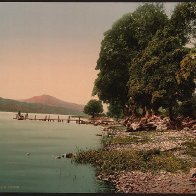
(53, 101)
(11, 105)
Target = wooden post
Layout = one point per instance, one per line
(35, 117)
(68, 119)
(58, 119)
(79, 119)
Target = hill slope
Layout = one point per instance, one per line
(11, 105)
(53, 101)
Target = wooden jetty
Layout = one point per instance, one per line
(76, 119)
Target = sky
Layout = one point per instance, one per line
(52, 47)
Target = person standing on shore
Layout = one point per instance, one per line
(26, 116)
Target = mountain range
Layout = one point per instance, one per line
(41, 104)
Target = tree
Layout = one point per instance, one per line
(93, 108)
(187, 70)
(121, 43)
(187, 75)
(188, 107)
(115, 110)
(153, 75)
(183, 23)
(143, 61)
(159, 76)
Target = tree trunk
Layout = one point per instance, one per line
(134, 114)
(143, 112)
(148, 112)
(126, 111)
(171, 117)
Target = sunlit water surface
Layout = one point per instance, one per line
(40, 171)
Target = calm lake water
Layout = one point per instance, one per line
(40, 171)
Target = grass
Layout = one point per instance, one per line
(123, 140)
(172, 138)
(143, 133)
(129, 140)
(184, 138)
(119, 128)
(190, 147)
(111, 161)
(157, 160)
(150, 134)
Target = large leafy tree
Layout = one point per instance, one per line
(143, 61)
(93, 107)
(159, 76)
(153, 80)
(121, 43)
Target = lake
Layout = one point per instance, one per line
(40, 171)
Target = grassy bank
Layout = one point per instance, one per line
(122, 154)
(113, 160)
(190, 147)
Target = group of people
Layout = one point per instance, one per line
(19, 116)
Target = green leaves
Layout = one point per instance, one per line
(93, 107)
(187, 67)
(148, 18)
(183, 21)
(115, 110)
(121, 43)
(143, 61)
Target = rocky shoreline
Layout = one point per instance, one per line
(162, 182)
(155, 182)
(180, 144)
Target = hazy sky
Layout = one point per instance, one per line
(52, 48)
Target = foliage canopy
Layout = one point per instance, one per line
(143, 60)
(93, 107)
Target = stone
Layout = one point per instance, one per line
(63, 155)
(69, 155)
